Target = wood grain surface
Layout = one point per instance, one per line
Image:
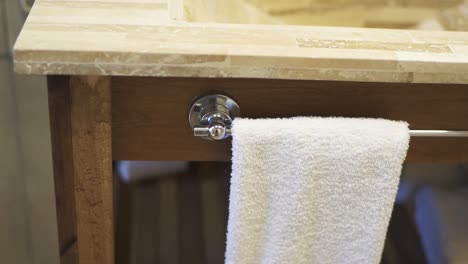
(62, 157)
(80, 110)
(91, 139)
(150, 115)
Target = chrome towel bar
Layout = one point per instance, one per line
(211, 118)
(438, 133)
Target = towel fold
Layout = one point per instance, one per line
(313, 190)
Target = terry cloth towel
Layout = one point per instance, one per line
(313, 190)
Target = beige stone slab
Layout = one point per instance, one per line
(352, 13)
(99, 12)
(124, 37)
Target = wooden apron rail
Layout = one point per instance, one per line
(150, 114)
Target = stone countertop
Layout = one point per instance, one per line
(137, 38)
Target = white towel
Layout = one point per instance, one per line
(313, 190)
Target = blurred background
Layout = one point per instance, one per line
(182, 218)
(28, 232)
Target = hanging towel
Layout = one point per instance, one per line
(313, 190)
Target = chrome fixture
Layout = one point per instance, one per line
(438, 133)
(211, 118)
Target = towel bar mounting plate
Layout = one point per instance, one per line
(211, 116)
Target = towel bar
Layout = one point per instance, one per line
(211, 118)
(438, 133)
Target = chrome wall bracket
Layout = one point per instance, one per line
(211, 116)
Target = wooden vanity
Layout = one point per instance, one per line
(122, 75)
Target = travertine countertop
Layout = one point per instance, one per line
(137, 38)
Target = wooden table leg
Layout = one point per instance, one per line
(80, 119)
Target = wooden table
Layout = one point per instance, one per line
(122, 77)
